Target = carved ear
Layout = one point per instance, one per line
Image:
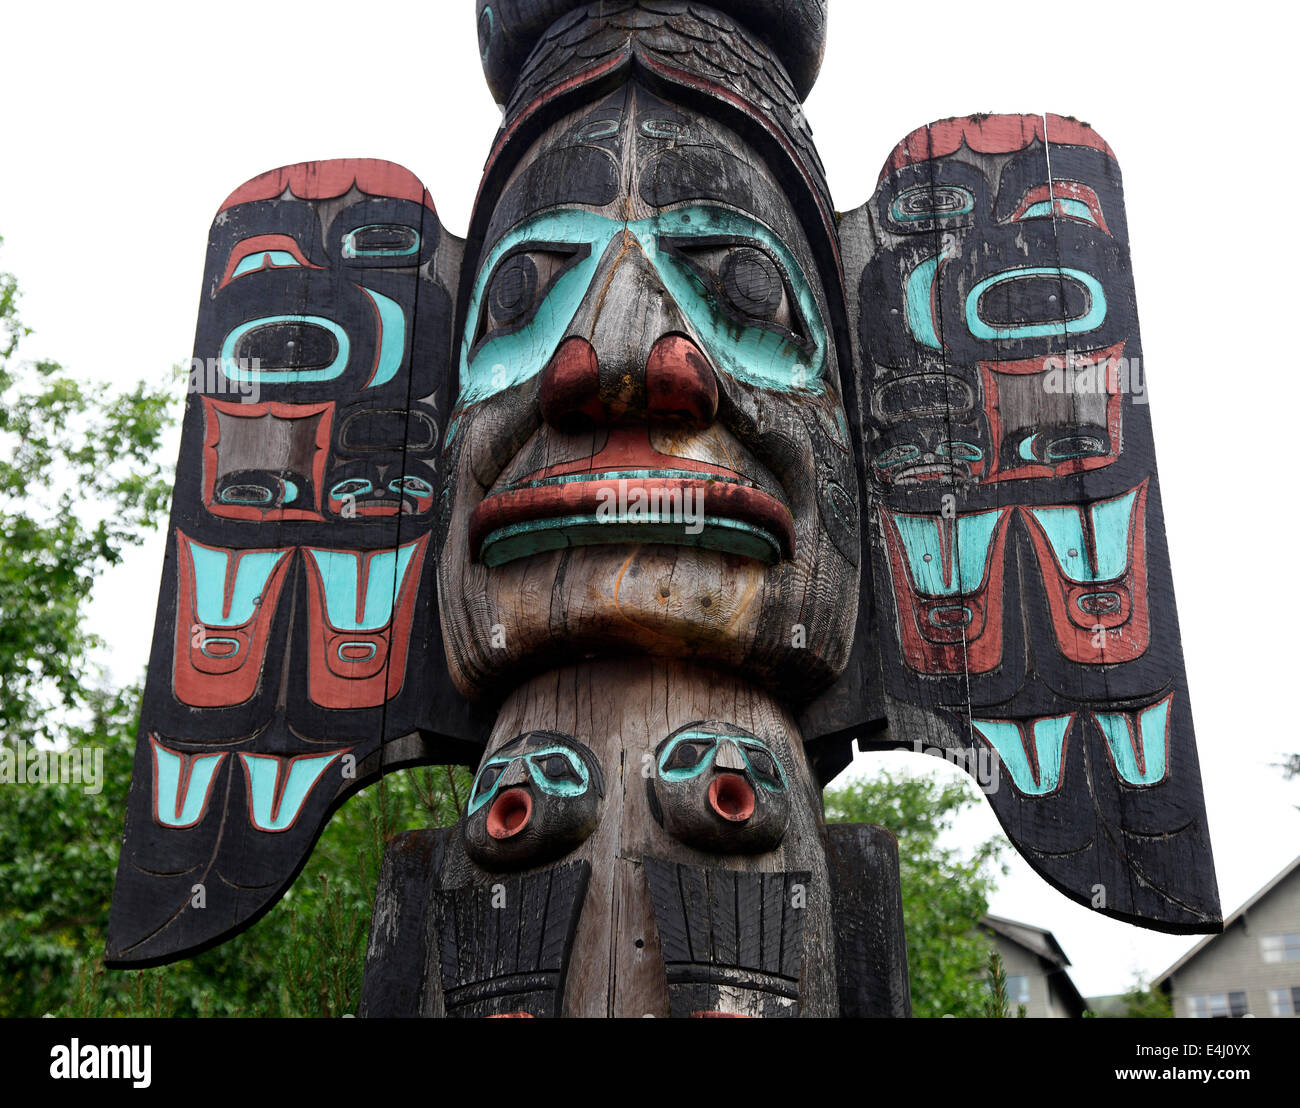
(297, 653)
(1023, 608)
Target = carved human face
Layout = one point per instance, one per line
(649, 453)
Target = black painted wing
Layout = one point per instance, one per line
(1024, 619)
(297, 653)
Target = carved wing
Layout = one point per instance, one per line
(1023, 608)
(297, 653)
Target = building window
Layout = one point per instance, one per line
(1018, 989)
(1217, 1006)
(1280, 948)
(1284, 1002)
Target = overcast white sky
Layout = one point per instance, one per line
(125, 125)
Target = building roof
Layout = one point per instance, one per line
(1034, 939)
(1164, 979)
(1043, 945)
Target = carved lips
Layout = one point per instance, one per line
(630, 492)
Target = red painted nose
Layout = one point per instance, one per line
(678, 387)
(731, 797)
(509, 814)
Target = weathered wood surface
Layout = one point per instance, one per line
(1013, 493)
(717, 484)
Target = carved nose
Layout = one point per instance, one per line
(676, 386)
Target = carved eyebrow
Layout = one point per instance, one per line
(1062, 200)
(263, 244)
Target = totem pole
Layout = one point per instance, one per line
(649, 499)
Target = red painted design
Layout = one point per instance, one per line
(327, 179)
(324, 412)
(1055, 193)
(1105, 361)
(626, 449)
(182, 785)
(959, 633)
(258, 244)
(206, 681)
(339, 677)
(1121, 634)
(990, 134)
(283, 768)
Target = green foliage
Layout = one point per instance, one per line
(1143, 1001)
(997, 1005)
(58, 856)
(80, 482)
(70, 451)
(944, 892)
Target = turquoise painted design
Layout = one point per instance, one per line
(539, 778)
(264, 773)
(919, 303)
(756, 355)
(1072, 209)
(351, 250)
(1153, 725)
(417, 486)
(1048, 737)
(1093, 318)
(234, 371)
(934, 208)
(182, 811)
(685, 773)
(351, 486)
(1112, 525)
(392, 337)
(730, 536)
(340, 574)
(210, 571)
(246, 494)
(281, 259)
(972, 541)
(208, 642)
(487, 37)
(370, 647)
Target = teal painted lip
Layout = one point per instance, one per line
(728, 536)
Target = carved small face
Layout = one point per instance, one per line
(719, 788)
(649, 432)
(534, 799)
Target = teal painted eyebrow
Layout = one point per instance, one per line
(757, 355)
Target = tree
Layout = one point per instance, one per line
(70, 450)
(944, 893)
(82, 482)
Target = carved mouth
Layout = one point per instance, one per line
(683, 502)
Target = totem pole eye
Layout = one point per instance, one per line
(687, 757)
(557, 767)
(752, 282)
(487, 779)
(764, 766)
(745, 282)
(519, 284)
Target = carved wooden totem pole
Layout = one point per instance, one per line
(648, 499)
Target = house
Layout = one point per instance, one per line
(1035, 967)
(1253, 967)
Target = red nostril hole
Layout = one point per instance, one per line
(571, 386)
(509, 813)
(680, 385)
(731, 797)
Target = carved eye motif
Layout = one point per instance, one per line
(720, 788)
(746, 283)
(534, 799)
(519, 285)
